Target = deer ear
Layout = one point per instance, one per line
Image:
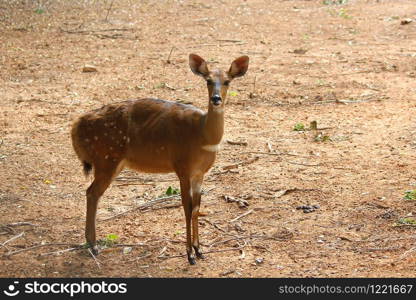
(238, 67)
(198, 65)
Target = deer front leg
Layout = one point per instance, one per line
(196, 183)
(102, 179)
(187, 207)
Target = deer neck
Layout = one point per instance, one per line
(213, 125)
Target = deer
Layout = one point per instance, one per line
(156, 136)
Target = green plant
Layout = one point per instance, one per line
(109, 241)
(410, 195)
(39, 11)
(344, 14)
(299, 127)
(406, 221)
(320, 82)
(178, 232)
(172, 191)
(334, 2)
(322, 138)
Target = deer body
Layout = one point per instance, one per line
(156, 136)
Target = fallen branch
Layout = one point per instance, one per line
(276, 153)
(95, 259)
(149, 204)
(12, 239)
(282, 237)
(37, 247)
(20, 224)
(345, 101)
(241, 216)
(61, 251)
(93, 31)
(237, 143)
(215, 45)
(140, 257)
(281, 193)
(170, 53)
(108, 11)
(230, 41)
(407, 253)
(213, 224)
(143, 206)
(241, 163)
(99, 34)
(240, 202)
(303, 164)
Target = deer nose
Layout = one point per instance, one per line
(216, 99)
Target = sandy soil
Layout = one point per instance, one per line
(350, 67)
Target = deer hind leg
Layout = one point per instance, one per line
(103, 175)
(187, 207)
(196, 201)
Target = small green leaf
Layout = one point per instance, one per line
(171, 191)
(233, 93)
(178, 232)
(406, 221)
(410, 195)
(299, 127)
(112, 237)
(322, 138)
(39, 11)
(108, 241)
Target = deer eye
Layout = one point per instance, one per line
(226, 83)
(210, 82)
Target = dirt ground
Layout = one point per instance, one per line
(348, 65)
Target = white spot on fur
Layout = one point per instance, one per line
(106, 157)
(211, 148)
(96, 138)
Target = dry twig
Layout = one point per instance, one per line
(149, 204)
(12, 239)
(37, 247)
(237, 143)
(241, 216)
(240, 202)
(241, 163)
(95, 259)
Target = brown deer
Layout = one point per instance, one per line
(156, 136)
